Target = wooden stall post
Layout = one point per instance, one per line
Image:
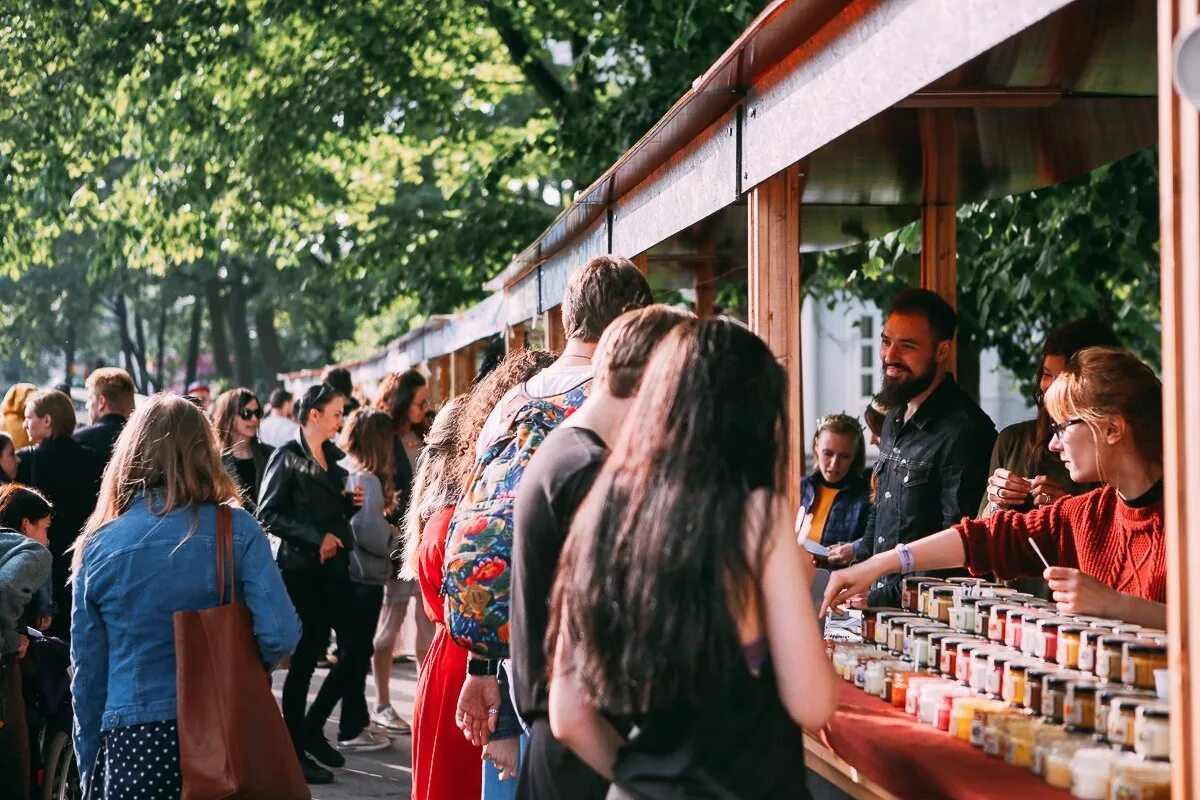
(556, 337)
(439, 379)
(462, 369)
(1179, 201)
(939, 188)
(642, 262)
(773, 262)
(704, 282)
(514, 337)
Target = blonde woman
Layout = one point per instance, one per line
(147, 551)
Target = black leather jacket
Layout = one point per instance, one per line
(299, 502)
(261, 453)
(931, 472)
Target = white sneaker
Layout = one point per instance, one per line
(365, 742)
(387, 718)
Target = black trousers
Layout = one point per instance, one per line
(552, 772)
(321, 604)
(347, 680)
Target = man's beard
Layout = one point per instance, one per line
(898, 391)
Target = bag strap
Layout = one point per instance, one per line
(224, 549)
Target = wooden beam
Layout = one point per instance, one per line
(1179, 219)
(939, 189)
(642, 262)
(773, 262)
(984, 97)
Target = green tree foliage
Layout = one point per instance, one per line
(1085, 248)
(294, 167)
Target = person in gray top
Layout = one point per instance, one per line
(368, 443)
(24, 567)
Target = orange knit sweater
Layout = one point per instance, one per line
(1097, 533)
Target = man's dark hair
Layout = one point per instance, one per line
(942, 319)
(279, 397)
(339, 378)
(603, 289)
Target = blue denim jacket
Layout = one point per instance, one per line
(137, 572)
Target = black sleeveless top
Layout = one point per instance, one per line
(742, 744)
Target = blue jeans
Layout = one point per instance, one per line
(496, 789)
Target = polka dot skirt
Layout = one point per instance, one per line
(138, 762)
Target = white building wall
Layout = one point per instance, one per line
(840, 351)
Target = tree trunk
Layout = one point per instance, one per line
(239, 330)
(193, 351)
(161, 342)
(139, 331)
(121, 313)
(69, 353)
(216, 327)
(268, 343)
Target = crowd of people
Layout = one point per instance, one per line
(614, 593)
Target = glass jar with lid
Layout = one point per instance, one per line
(1091, 773)
(923, 593)
(983, 614)
(1021, 733)
(962, 614)
(1109, 650)
(1122, 714)
(941, 600)
(1133, 777)
(1087, 648)
(1104, 700)
(883, 621)
(908, 592)
(1152, 731)
(963, 653)
(1054, 695)
(1032, 699)
(1068, 645)
(1044, 738)
(998, 621)
(1079, 705)
(1139, 660)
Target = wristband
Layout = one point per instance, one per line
(480, 667)
(906, 558)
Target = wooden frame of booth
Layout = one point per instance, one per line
(746, 134)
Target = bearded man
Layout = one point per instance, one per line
(936, 441)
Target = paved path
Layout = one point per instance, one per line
(382, 774)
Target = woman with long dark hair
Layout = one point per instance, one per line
(404, 397)
(236, 416)
(682, 608)
(304, 504)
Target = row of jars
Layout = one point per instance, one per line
(1112, 650)
(1128, 720)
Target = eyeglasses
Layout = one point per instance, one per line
(1058, 428)
(250, 413)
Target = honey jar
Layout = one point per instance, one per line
(1139, 660)
(1079, 706)
(1068, 645)
(1109, 650)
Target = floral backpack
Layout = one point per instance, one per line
(478, 568)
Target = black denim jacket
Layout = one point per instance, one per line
(932, 471)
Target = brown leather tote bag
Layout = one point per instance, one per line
(232, 739)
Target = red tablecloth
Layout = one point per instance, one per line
(918, 761)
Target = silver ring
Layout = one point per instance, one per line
(493, 712)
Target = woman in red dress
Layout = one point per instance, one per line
(445, 765)
(1105, 549)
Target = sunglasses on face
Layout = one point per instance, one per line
(250, 413)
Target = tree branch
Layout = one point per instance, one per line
(539, 75)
